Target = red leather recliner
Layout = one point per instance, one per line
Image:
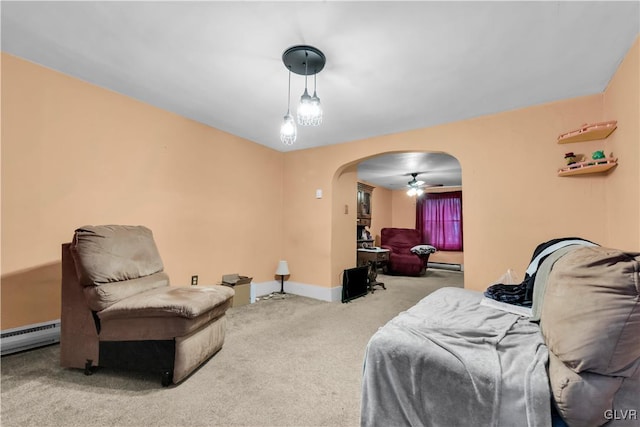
(401, 261)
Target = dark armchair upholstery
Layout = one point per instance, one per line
(401, 260)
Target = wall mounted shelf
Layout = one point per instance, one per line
(589, 132)
(591, 166)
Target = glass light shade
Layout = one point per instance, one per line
(316, 110)
(415, 191)
(288, 130)
(305, 110)
(283, 268)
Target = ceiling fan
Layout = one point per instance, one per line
(416, 186)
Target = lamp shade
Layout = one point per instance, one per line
(283, 268)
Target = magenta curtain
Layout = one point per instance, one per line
(439, 219)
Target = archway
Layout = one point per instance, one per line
(344, 211)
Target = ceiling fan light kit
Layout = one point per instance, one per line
(415, 192)
(414, 186)
(303, 60)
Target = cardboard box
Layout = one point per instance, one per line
(242, 287)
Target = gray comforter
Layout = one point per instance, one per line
(449, 361)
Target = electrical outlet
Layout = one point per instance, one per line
(194, 280)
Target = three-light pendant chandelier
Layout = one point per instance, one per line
(306, 61)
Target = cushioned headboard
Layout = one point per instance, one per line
(112, 253)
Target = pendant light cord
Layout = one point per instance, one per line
(289, 93)
(306, 69)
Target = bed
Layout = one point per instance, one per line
(450, 361)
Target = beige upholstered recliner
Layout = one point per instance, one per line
(119, 311)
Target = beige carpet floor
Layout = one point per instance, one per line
(285, 362)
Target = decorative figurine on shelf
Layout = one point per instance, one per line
(599, 157)
(570, 158)
(366, 233)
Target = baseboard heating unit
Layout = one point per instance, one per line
(29, 336)
(445, 266)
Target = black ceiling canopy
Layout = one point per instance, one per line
(304, 60)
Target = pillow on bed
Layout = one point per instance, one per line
(591, 311)
(581, 399)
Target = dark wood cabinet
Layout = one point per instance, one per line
(364, 213)
(364, 201)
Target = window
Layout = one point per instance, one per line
(439, 219)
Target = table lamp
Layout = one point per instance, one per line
(282, 270)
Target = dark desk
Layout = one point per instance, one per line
(374, 258)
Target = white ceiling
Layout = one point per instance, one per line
(391, 66)
(393, 171)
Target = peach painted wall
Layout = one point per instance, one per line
(404, 210)
(511, 203)
(623, 186)
(76, 154)
(343, 223)
(307, 241)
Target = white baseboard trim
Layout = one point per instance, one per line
(296, 288)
